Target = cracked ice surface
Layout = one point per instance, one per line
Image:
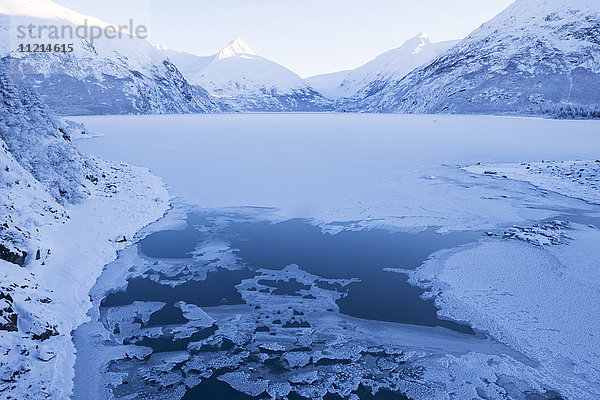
(290, 337)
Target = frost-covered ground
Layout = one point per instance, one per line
(533, 288)
(580, 179)
(50, 296)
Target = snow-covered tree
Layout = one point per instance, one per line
(40, 142)
(39, 167)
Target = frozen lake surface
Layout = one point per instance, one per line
(378, 169)
(276, 272)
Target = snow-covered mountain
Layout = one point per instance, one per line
(240, 80)
(384, 70)
(538, 57)
(328, 84)
(124, 75)
(189, 64)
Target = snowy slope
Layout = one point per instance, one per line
(109, 76)
(60, 215)
(39, 168)
(240, 80)
(536, 57)
(387, 68)
(328, 84)
(189, 64)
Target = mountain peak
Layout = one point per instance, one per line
(234, 48)
(416, 43)
(45, 9)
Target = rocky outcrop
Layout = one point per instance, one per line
(8, 316)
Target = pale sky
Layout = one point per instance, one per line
(307, 36)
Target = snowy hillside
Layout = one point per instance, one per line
(60, 216)
(536, 57)
(189, 64)
(40, 168)
(328, 84)
(106, 76)
(40, 171)
(240, 80)
(384, 70)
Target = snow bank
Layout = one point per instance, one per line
(57, 287)
(579, 179)
(541, 301)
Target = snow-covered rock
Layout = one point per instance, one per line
(240, 80)
(125, 75)
(384, 70)
(537, 57)
(189, 64)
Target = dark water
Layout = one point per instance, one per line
(217, 289)
(365, 394)
(345, 254)
(213, 388)
(171, 243)
(380, 295)
(164, 344)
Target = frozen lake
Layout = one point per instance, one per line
(397, 169)
(265, 298)
(276, 271)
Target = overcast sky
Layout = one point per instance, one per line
(308, 36)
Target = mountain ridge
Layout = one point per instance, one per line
(537, 57)
(101, 76)
(384, 69)
(241, 80)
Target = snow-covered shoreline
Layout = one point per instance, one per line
(579, 179)
(535, 295)
(56, 289)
